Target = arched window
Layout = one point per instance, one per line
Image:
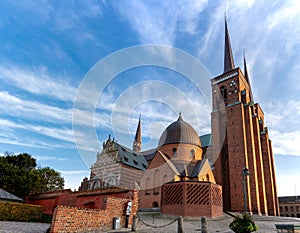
(155, 204)
(157, 183)
(96, 185)
(224, 93)
(110, 183)
(192, 154)
(147, 190)
(174, 152)
(207, 177)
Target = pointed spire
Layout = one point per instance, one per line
(245, 69)
(247, 76)
(228, 57)
(137, 144)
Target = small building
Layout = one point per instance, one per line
(6, 196)
(289, 206)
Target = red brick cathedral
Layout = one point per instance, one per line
(191, 175)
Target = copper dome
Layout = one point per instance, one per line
(179, 132)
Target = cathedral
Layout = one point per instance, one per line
(230, 169)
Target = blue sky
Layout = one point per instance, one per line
(48, 48)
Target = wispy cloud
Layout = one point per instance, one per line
(157, 21)
(285, 143)
(8, 134)
(13, 106)
(37, 81)
(46, 158)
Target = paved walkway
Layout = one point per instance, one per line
(221, 225)
(23, 227)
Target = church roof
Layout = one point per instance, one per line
(131, 158)
(205, 140)
(4, 195)
(179, 132)
(149, 154)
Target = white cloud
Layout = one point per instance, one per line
(46, 158)
(24, 109)
(9, 135)
(285, 143)
(157, 21)
(37, 81)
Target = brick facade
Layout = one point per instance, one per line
(92, 199)
(192, 199)
(245, 144)
(74, 219)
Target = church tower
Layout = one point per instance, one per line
(240, 140)
(137, 143)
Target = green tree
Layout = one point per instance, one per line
(49, 179)
(19, 175)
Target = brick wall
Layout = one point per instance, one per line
(192, 199)
(92, 199)
(74, 219)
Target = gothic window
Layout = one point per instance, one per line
(156, 182)
(174, 152)
(207, 177)
(155, 204)
(244, 96)
(192, 154)
(147, 186)
(110, 183)
(224, 93)
(96, 185)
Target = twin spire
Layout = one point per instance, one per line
(228, 65)
(228, 57)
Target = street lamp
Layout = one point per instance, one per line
(245, 173)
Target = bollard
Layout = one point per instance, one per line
(134, 223)
(203, 225)
(180, 224)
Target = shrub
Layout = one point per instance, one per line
(243, 224)
(10, 211)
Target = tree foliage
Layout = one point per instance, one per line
(243, 224)
(20, 176)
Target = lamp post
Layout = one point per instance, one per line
(245, 173)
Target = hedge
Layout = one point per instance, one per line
(10, 211)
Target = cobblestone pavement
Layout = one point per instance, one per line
(221, 225)
(23, 227)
